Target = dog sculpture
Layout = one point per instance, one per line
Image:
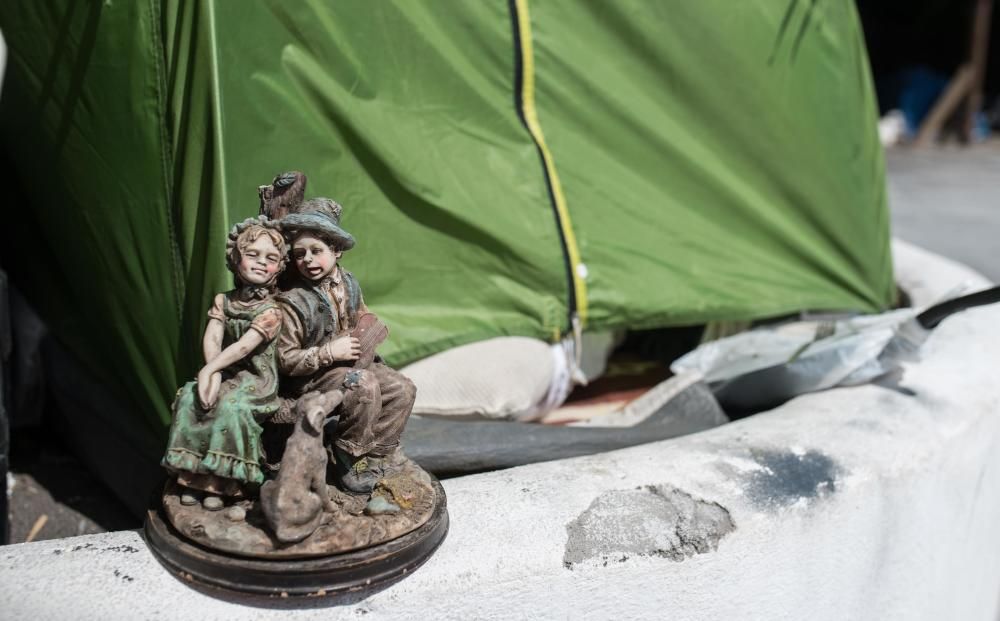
(293, 503)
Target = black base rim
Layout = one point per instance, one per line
(367, 568)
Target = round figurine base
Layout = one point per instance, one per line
(337, 574)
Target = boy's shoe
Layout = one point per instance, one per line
(358, 474)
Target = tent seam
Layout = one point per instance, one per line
(525, 99)
(217, 107)
(166, 154)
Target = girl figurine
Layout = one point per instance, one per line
(215, 439)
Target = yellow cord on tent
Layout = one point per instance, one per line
(531, 120)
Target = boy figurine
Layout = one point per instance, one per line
(317, 353)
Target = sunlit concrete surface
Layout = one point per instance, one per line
(856, 503)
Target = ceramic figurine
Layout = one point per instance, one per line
(318, 353)
(214, 445)
(286, 191)
(287, 474)
(295, 501)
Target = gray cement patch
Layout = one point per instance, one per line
(655, 520)
(786, 477)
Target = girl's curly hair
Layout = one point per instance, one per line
(246, 233)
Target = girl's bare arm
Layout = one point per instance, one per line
(209, 378)
(212, 343)
(237, 351)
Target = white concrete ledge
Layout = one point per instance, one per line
(856, 503)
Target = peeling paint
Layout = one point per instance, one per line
(656, 520)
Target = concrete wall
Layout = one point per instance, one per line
(857, 503)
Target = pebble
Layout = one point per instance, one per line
(378, 505)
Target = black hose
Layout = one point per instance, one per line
(934, 315)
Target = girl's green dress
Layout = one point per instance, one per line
(226, 440)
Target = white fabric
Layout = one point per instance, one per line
(511, 377)
(505, 377)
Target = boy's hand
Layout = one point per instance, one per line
(208, 389)
(345, 348)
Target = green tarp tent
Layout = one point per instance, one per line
(504, 166)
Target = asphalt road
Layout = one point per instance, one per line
(947, 200)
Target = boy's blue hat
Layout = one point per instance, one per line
(321, 216)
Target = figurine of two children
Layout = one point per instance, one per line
(266, 346)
